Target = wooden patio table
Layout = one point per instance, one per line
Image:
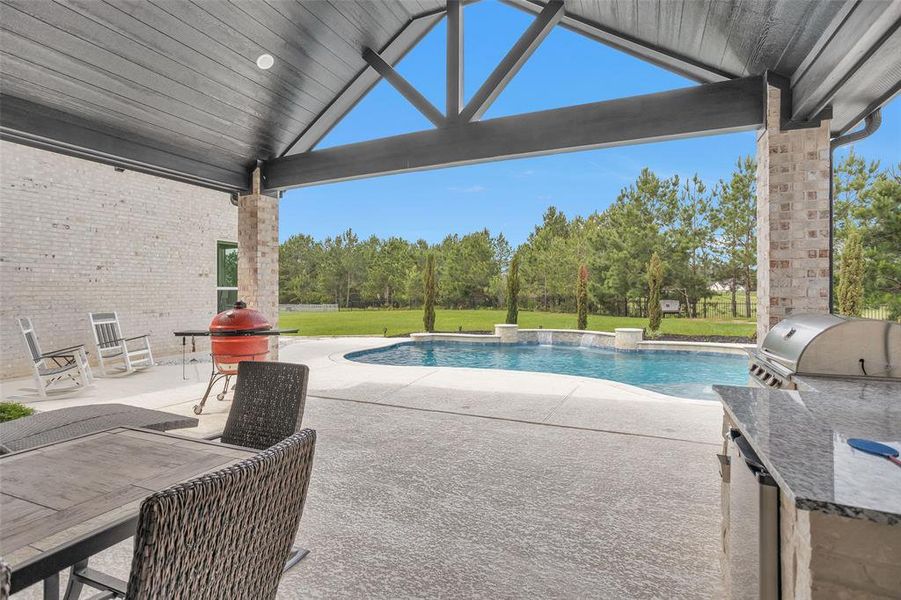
(66, 423)
(63, 502)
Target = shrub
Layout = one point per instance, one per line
(513, 291)
(582, 298)
(655, 282)
(13, 410)
(430, 293)
(850, 276)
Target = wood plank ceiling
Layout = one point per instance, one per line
(180, 76)
(184, 73)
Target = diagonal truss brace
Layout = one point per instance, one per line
(404, 87)
(524, 47)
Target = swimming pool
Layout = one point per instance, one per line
(683, 374)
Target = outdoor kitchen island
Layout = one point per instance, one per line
(818, 519)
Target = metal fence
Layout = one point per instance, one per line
(308, 308)
(702, 309)
(720, 309)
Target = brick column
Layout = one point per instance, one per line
(792, 218)
(258, 254)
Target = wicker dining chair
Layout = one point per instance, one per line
(267, 405)
(221, 535)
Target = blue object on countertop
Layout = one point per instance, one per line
(871, 447)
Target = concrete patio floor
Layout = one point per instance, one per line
(470, 483)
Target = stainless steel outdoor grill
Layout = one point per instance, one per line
(828, 346)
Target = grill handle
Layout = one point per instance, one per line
(774, 363)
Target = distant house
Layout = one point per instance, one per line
(723, 286)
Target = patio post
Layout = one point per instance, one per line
(793, 216)
(258, 254)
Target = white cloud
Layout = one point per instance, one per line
(473, 189)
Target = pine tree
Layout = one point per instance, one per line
(655, 282)
(513, 290)
(582, 298)
(850, 276)
(430, 292)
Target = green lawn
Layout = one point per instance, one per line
(397, 322)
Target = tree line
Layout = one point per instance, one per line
(701, 233)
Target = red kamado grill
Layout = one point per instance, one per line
(236, 340)
(237, 334)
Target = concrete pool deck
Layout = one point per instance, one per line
(437, 482)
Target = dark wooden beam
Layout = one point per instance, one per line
(671, 61)
(365, 80)
(25, 122)
(454, 60)
(524, 47)
(403, 86)
(856, 35)
(701, 110)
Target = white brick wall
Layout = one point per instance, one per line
(77, 236)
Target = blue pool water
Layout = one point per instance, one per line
(683, 374)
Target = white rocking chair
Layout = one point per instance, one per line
(66, 365)
(134, 352)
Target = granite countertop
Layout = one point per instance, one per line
(801, 437)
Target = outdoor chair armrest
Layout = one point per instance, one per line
(137, 337)
(78, 347)
(58, 354)
(129, 339)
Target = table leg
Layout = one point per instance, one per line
(74, 587)
(51, 587)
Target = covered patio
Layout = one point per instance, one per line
(178, 94)
(426, 484)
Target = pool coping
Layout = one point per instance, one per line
(342, 357)
(710, 349)
(623, 339)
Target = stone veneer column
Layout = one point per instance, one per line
(508, 334)
(792, 218)
(258, 254)
(627, 338)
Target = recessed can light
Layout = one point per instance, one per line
(265, 61)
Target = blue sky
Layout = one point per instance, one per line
(510, 196)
